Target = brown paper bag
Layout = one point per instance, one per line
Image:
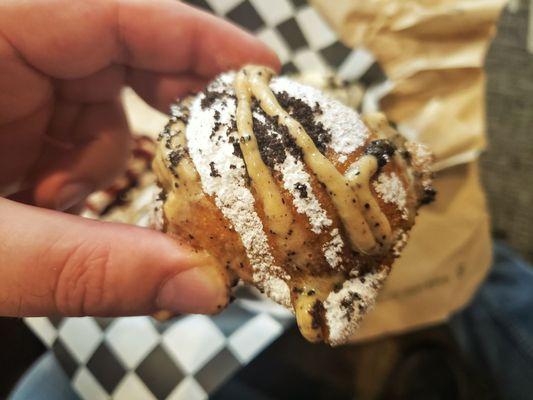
(433, 52)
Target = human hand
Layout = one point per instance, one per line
(63, 134)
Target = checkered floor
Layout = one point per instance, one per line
(138, 357)
(299, 35)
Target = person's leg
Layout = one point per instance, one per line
(496, 329)
(44, 380)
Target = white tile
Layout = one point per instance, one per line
(132, 339)
(81, 336)
(188, 389)
(132, 388)
(310, 61)
(87, 386)
(43, 328)
(273, 11)
(315, 29)
(276, 42)
(221, 7)
(193, 341)
(356, 64)
(254, 336)
(374, 94)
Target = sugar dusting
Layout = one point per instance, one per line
(345, 308)
(333, 249)
(348, 132)
(229, 189)
(390, 189)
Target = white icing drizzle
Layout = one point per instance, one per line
(390, 189)
(348, 132)
(342, 323)
(333, 249)
(232, 197)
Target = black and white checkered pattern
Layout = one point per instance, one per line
(140, 358)
(299, 35)
(189, 357)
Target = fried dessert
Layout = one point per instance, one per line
(293, 192)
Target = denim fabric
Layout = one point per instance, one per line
(44, 381)
(496, 329)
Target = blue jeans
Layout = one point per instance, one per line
(44, 380)
(495, 331)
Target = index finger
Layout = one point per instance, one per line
(71, 39)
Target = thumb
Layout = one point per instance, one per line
(54, 263)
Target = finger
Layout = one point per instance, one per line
(160, 90)
(68, 39)
(101, 86)
(89, 148)
(54, 263)
(18, 151)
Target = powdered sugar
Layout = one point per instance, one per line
(390, 189)
(231, 194)
(294, 173)
(333, 249)
(348, 132)
(345, 308)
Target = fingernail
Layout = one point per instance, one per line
(71, 194)
(196, 290)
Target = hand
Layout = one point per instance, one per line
(63, 135)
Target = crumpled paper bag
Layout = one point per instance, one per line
(432, 52)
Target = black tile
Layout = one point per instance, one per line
(289, 68)
(200, 4)
(231, 319)
(65, 359)
(159, 373)
(286, 322)
(292, 34)
(246, 16)
(56, 321)
(106, 368)
(162, 326)
(217, 371)
(373, 75)
(103, 323)
(19, 348)
(335, 54)
(299, 3)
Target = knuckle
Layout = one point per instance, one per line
(81, 282)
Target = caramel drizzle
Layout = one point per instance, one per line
(181, 181)
(369, 230)
(367, 226)
(277, 212)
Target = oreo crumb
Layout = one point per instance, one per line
(273, 140)
(429, 195)
(316, 314)
(348, 303)
(382, 149)
(304, 114)
(208, 99)
(300, 187)
(237, 152)
(162, 195)
(175, 156)
(214, 172)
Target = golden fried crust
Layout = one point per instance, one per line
(212, 200)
